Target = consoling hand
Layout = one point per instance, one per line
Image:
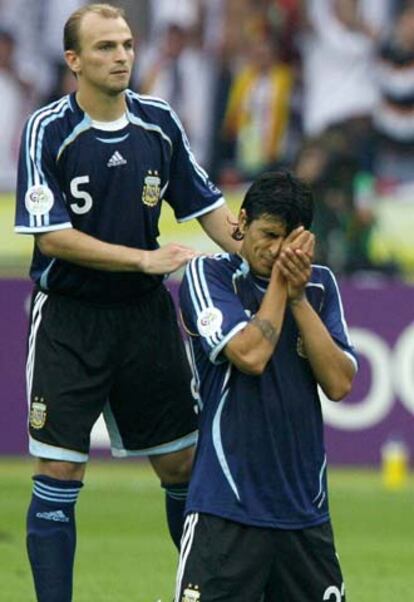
(167, 259)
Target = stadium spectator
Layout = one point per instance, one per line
(162, 75)
(340, 94)
(94, 169)
(265, 327)
(224, 38)
(15, 99)
(394, 117)
(338, 56)
(179, 70)
(327, 166)
(184, 13)
(258, 109)
(37, 26)
(344, 195)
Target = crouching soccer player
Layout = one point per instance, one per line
(266, 327)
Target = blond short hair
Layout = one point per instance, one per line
(72, 26)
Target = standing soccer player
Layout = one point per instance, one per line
(94, 169)
(266, 328)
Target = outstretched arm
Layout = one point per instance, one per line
(77, 247)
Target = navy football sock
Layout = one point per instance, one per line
(175, 498)
(51, 537)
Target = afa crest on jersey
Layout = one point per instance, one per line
(191, 595)
(152, 189)
(38, 413)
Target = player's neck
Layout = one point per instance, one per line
(100, 106)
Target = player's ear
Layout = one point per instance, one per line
(243, 221)
(72, 61)
(239, 229)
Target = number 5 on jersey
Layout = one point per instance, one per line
(85, 200)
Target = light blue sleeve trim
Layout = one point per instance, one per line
(36, 229)
(165, 448)
(34, 131)
(215, 352)
(202, 211)
(50, 452)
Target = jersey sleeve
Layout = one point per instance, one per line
(332, 315)
(40, 204)
(210, 308)
(190, 191)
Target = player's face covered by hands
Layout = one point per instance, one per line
(262, 242)
(295, 261)
(265, 241)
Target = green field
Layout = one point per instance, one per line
(125, 555)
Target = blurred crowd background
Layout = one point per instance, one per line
(322, 87)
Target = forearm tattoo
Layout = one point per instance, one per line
(268, 331)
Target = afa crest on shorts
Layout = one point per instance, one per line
(152, 189)
(191, 595)
(38, 413)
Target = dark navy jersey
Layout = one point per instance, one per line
(260, 457)
(107, 180)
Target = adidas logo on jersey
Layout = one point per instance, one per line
(116, 160)
(58, 516)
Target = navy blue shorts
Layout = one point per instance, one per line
(225, 561)
(127, 361)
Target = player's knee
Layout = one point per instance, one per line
(174, 468)
(181, 471)
(65, 471)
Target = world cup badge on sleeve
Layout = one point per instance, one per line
(152, 189)
(38, 413)
(39, 200)
(191, 595)
(209, 322)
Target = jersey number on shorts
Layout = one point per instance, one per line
(85, 200)
(332, 593)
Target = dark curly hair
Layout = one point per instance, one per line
(281, 195)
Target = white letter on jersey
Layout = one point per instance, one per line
(80, 194)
